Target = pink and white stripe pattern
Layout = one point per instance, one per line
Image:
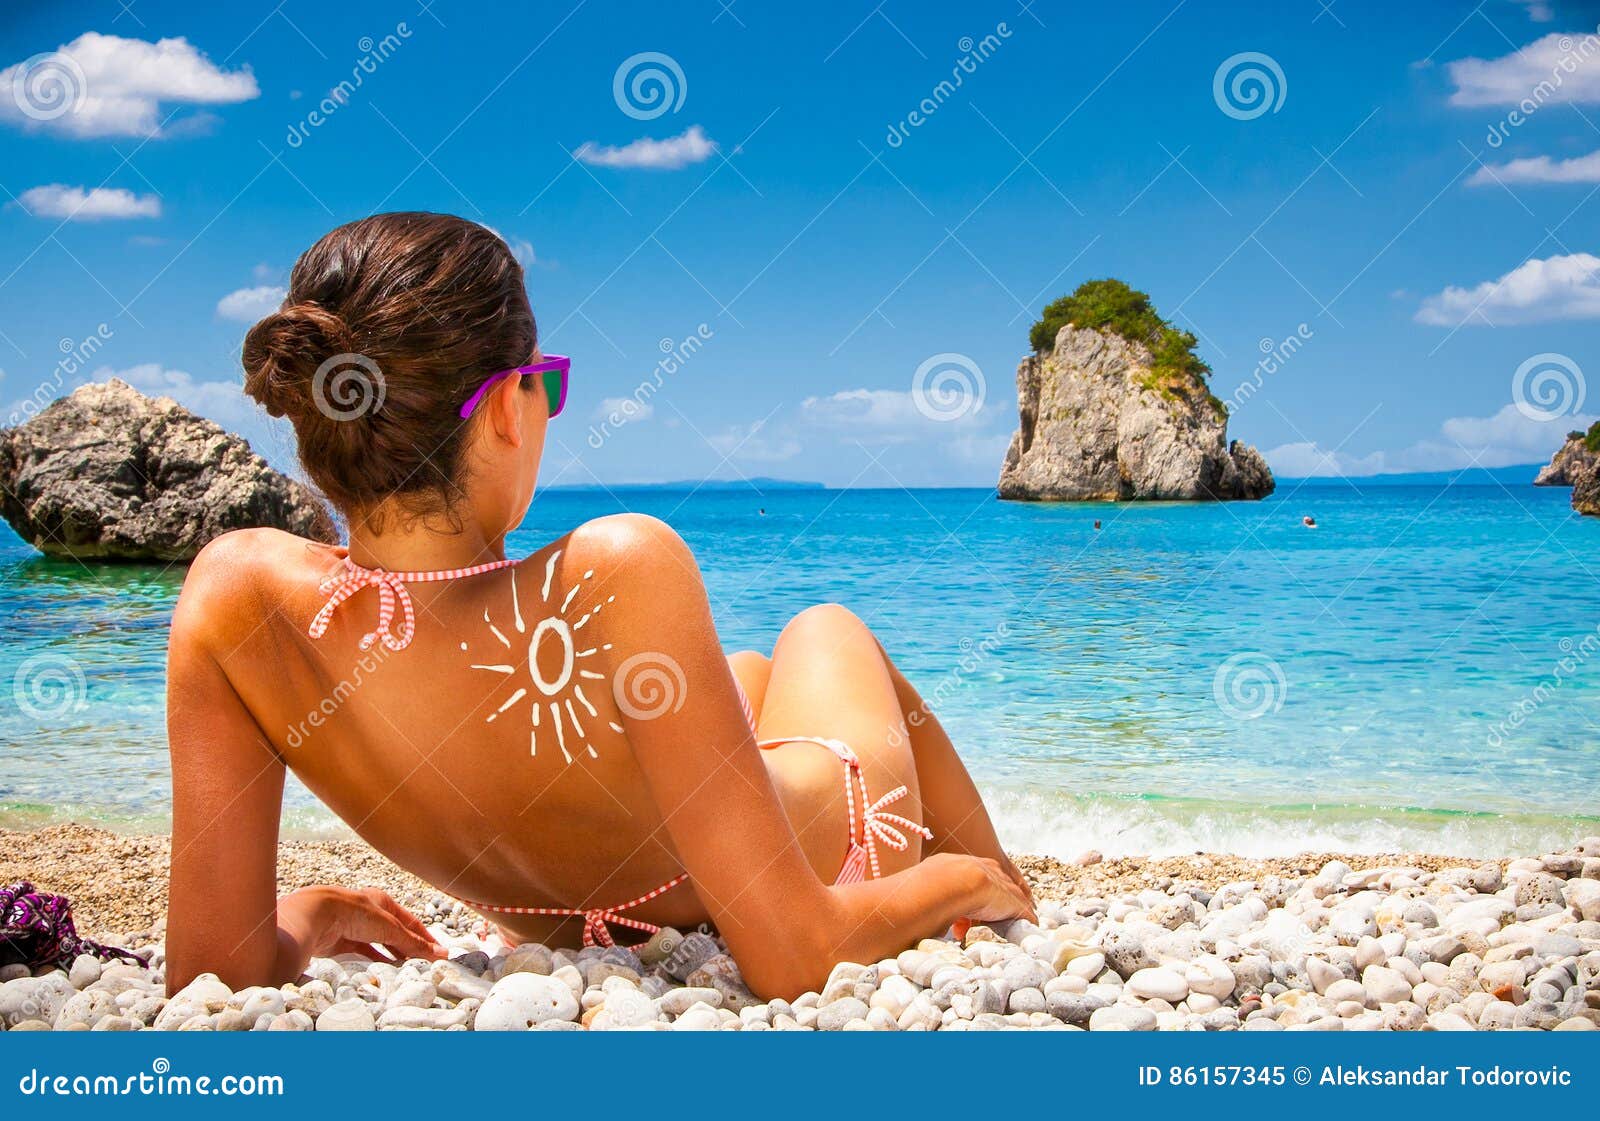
(595, 919)
(391, 593)
(877, 826)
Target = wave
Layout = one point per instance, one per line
(1064, 825)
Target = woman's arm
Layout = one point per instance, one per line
(785, 926)
(223, 914)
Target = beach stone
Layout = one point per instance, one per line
(1126, 951)
(688, 955)
(1164, 984)
(1345, 989)
(429, 1019)
(1556, 945)
(895, 994)
(721, 972)
(1087, 967)
(454, 981)
(678, 1001)
(1487, 878)
(87, 1008)
(412, 994)
(85, 971)
(1538, 889)
(1322, 974)
(1122, 1017)
(231, 1019)
(1385, 985)
(293, 1020)
(1503, 975)
(530, 957)
(1576, 1023)
(1583, 896)
(354, 1014)
(700, 1017)
(34, 998)
(1026, 973)
(1562, 864)
(1070, 1008)
(625, 1008)
(117, 1023)
(1026, 1000)
(522, 1000)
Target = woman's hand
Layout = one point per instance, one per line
(998, 893)
(323, 921)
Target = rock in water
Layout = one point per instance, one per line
(108, 473)
(1569, 461)
(1586, 489)
(1097, 423)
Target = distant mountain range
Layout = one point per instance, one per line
(757, 484)
(1519, 475)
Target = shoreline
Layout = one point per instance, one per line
(70, 859)
(1207, 942)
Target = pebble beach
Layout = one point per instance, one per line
(1316, 942)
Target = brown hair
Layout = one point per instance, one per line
(389, 325)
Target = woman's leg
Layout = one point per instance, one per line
(952, 806)
(752, 671)
(829, 679)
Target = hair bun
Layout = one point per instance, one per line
(283, 352)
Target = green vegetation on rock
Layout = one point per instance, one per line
(1592, 440)
(1176, 370)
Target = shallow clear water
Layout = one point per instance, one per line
(1376, 661)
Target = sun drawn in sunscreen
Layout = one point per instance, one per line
(557, 704)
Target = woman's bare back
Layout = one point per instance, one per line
(488, 756)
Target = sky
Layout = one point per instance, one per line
(811, 248)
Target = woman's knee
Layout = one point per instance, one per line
(823, 621)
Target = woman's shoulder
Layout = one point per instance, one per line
(622, 550)
(638, 537)
(240, 575)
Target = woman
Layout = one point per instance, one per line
(558, 740)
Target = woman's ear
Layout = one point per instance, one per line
(505, 406)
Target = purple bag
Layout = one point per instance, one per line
(36, 930)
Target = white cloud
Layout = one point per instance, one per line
(1562, 287)
(755, 443)
(250, 304)
(104, 85)
(521, 248)
(1556, 68)
(1505, 439)
(891, 415)
(57, 200)
(1540, 169)
(1539, 11)
(626, 408)
(692, 146)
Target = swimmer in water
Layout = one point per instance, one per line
(1309, 522)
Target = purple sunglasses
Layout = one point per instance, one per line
(554, 367)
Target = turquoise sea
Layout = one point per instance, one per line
(1421, 671)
